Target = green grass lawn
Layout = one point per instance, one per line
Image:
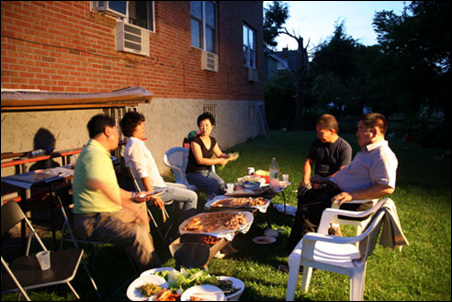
(422, 271)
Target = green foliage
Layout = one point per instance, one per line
(407, 74)
(280, 100)
(275, 16)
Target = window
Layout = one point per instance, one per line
(203, 24)
(139, 13)
(249, 47)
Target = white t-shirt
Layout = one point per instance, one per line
(140, 160)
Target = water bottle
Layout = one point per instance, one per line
(274, 175)
(36, 153)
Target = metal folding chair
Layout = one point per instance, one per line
(24, 273)
(154, 221)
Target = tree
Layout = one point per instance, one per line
(335, 72)
(275, 17)
(418, 49)
(279, 100)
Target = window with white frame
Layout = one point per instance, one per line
(249, 47)
(203, 24)
(139, 13)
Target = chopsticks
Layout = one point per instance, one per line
(164, 214)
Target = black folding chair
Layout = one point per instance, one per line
(24, 273)
(154, 221)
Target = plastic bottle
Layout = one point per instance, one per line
(274, 175)
(36, 153)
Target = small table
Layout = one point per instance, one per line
(49, 177)
(264, 191)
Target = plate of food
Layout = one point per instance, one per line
(166, 295)
(144, 287)
(264, 240)
(154, 271)
(204, 292)
(284, 184)
(218, 223)
(238, 202)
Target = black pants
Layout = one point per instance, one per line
(310, 208)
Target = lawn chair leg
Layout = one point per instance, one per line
(157, 227)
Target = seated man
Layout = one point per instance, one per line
(102, 210)
(371, 174)
(142, 164)
(328, 153)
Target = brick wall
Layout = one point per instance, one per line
(63, 46)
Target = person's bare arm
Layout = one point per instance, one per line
(375, 191)
(307, 171)
(197, 152)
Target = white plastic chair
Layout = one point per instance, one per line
(177, 158)
(360, 224)
(335, 254)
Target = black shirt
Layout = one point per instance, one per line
(328, 157)
(192, 164)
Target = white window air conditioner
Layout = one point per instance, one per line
(131, 38)
(252, 75)
(115, 8)
(209, 61)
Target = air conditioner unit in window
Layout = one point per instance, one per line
(131, 38)
(209, 61)
(115, 8)
(252, 75)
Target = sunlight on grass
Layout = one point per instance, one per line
(421, 272)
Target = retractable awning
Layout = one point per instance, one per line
(44, 100)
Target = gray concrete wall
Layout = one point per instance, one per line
(168, 121)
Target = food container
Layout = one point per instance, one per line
(252, 184)
(237, 283)
(264, 176)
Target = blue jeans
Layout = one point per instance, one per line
(208, 181)
(186, 200)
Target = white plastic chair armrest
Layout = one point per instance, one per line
(328, 215)
(331, 239)
(335, 205)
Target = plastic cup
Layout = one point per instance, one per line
(44, 259)
(285, 177)
(250, 170)
(230, 187)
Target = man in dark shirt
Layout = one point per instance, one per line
(328, 152)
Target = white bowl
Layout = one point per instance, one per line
(237, 283)
(204, 291)
(132, 292)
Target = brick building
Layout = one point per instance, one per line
(193, 56)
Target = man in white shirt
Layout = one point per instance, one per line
(142, 164)
(371, 174)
